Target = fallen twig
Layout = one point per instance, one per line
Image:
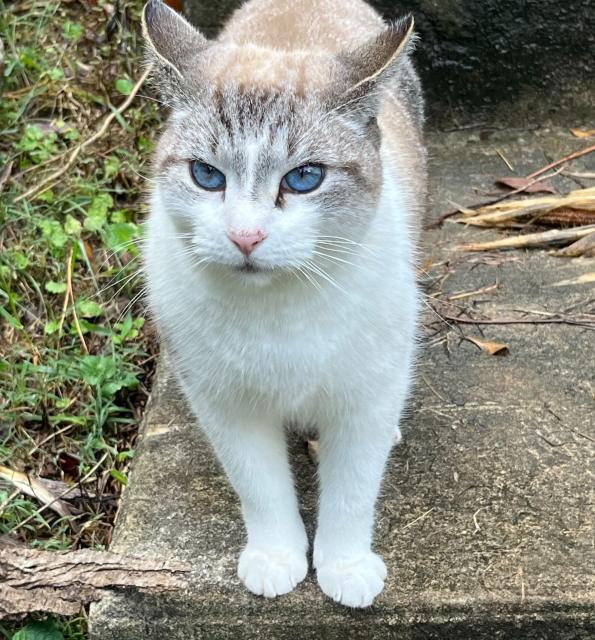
(586, 320)
(45, 184)
(467, 294)
(556, 163)
(540, 239)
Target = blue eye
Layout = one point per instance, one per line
(303, 179)
(206, 176)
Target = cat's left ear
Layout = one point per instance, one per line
(173, 45)
(370, 66)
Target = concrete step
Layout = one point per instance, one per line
(487, 510)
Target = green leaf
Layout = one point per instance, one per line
(88, 308)
(72, 226)
(14, 322)
(72, 30)
(118, 236)
(55, 287)
(124, 86)
(47, 196)
(55, 74)
(97, 212)
(37, 143)
(45, 630)
(53, 232)
(111, 166)
(119, 476)
(51, 327)
(144, 143)
(121, 215)
(128, 329)
(20, 260)
(92, 327)
(125, 455)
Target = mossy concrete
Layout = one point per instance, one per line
(506, 61)
(486, 516)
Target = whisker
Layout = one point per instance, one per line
(335, 259)
(310, 279)
(323, 274)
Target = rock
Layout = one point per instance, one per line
(486, 515)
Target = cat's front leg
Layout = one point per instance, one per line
(253, 453)
(352, 458)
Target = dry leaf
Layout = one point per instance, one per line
(526, 185)
(583, 133)
(34, 488)
(582, 279)
(493, 348)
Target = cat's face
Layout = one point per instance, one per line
(261, 180)
(264, 166)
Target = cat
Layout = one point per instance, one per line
(289, 188)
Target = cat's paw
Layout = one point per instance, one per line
(271, 573)
(352, 582)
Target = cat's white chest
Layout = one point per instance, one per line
(280, 355)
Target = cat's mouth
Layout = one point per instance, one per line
(249, 267)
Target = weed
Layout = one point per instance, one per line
(75, 350)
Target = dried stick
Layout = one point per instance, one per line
(570, 156)
(530, 239)
(44, 184)
(585, 320)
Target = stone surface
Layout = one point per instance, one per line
(486, 517)
(510, 61)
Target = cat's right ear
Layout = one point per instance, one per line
(172, 47)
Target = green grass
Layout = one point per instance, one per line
(75, 352)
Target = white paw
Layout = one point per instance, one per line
(355, 582)
(271, 573)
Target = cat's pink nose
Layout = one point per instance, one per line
(247, 241)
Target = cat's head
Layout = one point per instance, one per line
(270, 160)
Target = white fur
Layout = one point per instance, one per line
(256, 351)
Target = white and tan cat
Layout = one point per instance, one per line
(288, 192)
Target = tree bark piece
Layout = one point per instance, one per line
(60, 583)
